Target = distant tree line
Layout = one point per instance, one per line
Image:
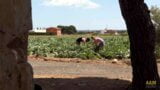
(68, 29)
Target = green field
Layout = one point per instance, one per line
(65, 47)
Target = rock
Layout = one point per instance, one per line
(114, 61)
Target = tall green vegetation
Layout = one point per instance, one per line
(68, 29)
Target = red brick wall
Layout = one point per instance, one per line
(56, 31)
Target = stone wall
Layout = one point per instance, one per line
(15, 21)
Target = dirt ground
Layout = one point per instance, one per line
(76, 74)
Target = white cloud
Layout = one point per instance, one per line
(73, 3)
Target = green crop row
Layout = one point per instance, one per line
(65, 47)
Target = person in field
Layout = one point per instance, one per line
(82, 40)
(99, 43)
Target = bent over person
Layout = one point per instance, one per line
(99, 43)
(82, 40)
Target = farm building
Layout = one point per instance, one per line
(44, 31)
(54, 30)
(38, 30)
(110, 31)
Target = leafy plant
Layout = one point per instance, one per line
(65, 47)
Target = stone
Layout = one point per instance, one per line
(114, 61)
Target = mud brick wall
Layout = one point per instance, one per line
(15, 21)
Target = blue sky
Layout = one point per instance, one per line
(84, 14)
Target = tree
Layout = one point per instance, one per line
(68, 29)
(155, 15)
(72, 29)
(142, 43)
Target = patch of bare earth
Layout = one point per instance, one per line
(77, 60)
(77, 74)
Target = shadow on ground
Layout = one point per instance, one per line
(85, 83)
